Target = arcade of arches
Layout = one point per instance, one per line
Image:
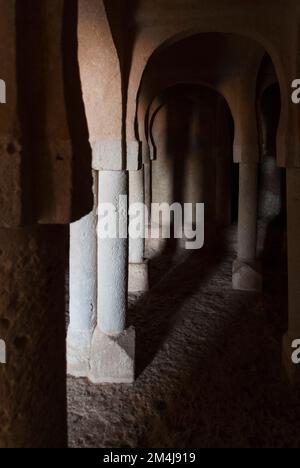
(163, 102)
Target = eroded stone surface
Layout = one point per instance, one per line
(32, 303)
(138, 277)
(246, 276)
(78, 352)
(112, 357)
(11, 184)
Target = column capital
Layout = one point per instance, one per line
(246, 153)
(108, 155)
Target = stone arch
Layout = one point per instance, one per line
(159, 101)
(277, 53)
(180, 172)
(237, 85)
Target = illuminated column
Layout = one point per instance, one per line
(148, 189)
(112, 351)
(138, 266)
(83, 290)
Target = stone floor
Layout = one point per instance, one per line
(208, 360)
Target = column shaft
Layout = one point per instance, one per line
(112, 351)
(138, 266)
(136, 196)
(247, 223)
(113, 255)
(148, 189)
(83, 290)
(246, 274)
(223, 190)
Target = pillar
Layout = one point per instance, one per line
(148, 188)
(196, 172)
(293, 228)
(112, 350)
(32, 324)
(223, 158)
(246, 275)
(270, 202)
(138, 266)
(83, 290)
(163, 180)
(148, 203)
(223, 190)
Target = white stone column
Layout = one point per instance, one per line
(112, 351)
(148, 189)
(83, 290)
(246, 275)
(293, 228)
(138, 266)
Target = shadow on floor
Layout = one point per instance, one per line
(177, 275)
(209, 367)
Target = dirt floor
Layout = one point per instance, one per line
(208, 360)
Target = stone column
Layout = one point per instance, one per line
(163, 180)
(112, 351)
(32, 324)
(246, 275)
(148, 188)
(196, 178)
(223, 192)
(83, 290)
(138, 266)
(270, 202)
(148, 202)
(293, 227)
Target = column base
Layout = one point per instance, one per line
(138, 277)
(78, 353)
(155, 247)
(292, 370)
(156, 241)
(112, 357)
(246, 276)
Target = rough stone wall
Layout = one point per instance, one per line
(11, 182)
(45, 154)
(46, 179)
(32, 323)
